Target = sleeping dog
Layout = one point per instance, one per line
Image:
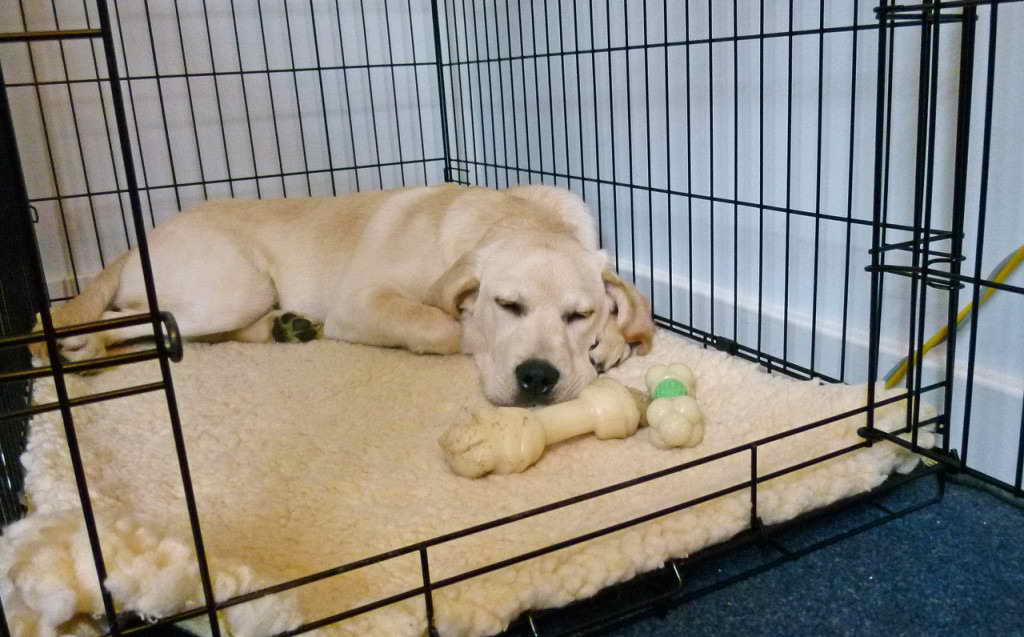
(512, 277)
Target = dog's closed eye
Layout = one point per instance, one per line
(512, 307)
(573, 317)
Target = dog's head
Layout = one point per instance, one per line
(532, 306)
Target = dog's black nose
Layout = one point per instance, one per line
(536, 378)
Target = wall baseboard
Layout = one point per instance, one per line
(828, 334)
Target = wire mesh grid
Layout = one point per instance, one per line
(746, 164)
(273, 100)
(741, 156)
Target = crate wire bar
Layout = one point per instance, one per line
(486, 111)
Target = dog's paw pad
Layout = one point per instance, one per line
(292, 328)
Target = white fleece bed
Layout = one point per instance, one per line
(305, 457)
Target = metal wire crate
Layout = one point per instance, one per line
(814, 186)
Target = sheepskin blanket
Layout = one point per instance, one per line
(305, 457)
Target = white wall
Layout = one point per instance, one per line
(561, 119)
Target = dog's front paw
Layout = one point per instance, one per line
(82, 347)
(292, 328)
(610, 350)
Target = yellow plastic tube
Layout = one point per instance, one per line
(1002, 274)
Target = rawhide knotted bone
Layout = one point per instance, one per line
(674, 418)
(511, 439)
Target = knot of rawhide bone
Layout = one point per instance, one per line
(674, 417)
(511, 439)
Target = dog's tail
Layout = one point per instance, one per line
(87, 306)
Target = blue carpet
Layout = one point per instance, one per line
(953, 568)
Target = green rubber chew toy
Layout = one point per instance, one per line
(674, 418)
(670, 387)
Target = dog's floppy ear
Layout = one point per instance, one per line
(456, 287)
(633, 312)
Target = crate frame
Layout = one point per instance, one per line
(462, 166)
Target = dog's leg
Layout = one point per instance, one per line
(122, 334)
(260, 331)
(277, 326)
(389, 319)
(94, 345)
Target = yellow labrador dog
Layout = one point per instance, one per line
(512, 277)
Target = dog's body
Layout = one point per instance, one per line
(513, 277)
